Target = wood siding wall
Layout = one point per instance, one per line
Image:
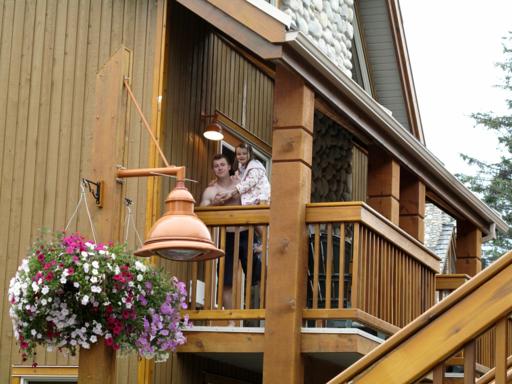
(205, 73)
(375, 24)
(50, 52)
(359, 174)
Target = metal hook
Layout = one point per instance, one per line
(96, 190)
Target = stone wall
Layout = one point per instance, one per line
(328, 23)
(332, 161)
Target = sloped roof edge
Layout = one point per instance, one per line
(385, 130)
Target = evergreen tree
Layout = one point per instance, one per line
(493, 181)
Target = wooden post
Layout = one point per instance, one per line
(412, 206)
(291, 190)
(384, 184)
(468, 248)
(98, 365)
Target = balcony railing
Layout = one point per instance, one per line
(235, 224)
(361, 260)
(362, 268)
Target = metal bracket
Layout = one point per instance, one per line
(96, 190)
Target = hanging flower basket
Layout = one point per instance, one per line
(70, 293)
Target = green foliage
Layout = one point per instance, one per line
(493, 181)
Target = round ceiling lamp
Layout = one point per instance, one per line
(179, 234)
(213, 131)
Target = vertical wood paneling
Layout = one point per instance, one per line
(207, 73)
(50, 52)
(359, 174)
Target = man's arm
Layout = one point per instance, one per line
(207, 198)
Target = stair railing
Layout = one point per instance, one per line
(451, 325)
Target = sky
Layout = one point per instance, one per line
(453, 48)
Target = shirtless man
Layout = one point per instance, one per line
(211, 196)
(223, 184)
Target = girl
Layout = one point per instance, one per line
(253, 186)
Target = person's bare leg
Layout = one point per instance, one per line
(226, 298)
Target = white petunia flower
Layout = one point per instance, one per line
(76, 284)
(140, 277)
(94, 279)
(95, 264)
(35, 287)
(85, 300)
(140, 266)
(95, 288)
(63, 280)
(45, 290)
(86, 267)
(24, 265)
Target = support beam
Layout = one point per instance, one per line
(468, 248)
(291, 190)
(384, 184)
(412, 206)
(98, 364)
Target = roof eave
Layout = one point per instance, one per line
(387, 131)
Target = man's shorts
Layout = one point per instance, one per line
(242, 255)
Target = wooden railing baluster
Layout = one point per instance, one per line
(341, 268)
(263, 276)
(316, 267)
(193, 295)
(328, 268)
(248, 276)
(235, 287)
(356, 268)
(438, 374)
(501, 351)
(222, 271)
(470, 362)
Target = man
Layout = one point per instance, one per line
(212, 196)
(223, 183)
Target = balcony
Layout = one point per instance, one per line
(366, 278)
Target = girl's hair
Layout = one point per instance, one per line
(250, 154)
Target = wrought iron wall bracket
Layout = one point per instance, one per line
(96, 189)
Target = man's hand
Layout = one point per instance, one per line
(218, 199)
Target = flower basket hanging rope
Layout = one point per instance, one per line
(70, 293)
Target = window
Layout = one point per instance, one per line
(234, 134)
(44, 375)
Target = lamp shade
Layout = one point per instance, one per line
(179, 234)
(213, 131)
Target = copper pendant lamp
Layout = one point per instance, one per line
(179, 234)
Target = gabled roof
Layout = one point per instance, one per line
(385, 45)
(269, 39)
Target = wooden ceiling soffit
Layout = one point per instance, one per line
(253, 18)
(323, 106)
(411, 102)
(236, 29)
(349, 100)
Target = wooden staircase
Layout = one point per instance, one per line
(420, 351)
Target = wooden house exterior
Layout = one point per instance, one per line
(344, 265)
